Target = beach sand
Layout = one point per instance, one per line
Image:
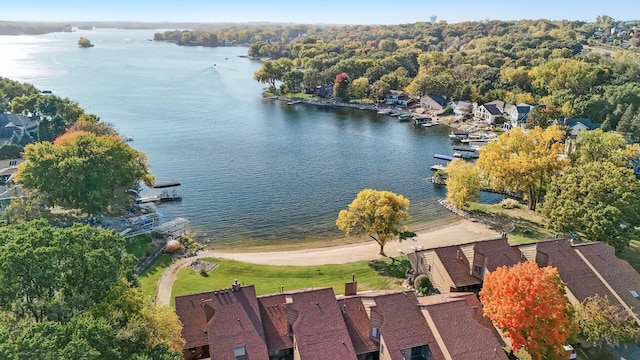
(458, 232)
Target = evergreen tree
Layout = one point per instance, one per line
(625, 125)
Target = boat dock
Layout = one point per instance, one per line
(437, 167)
(443, 157)
(167, 193)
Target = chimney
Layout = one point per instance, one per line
(351, 288)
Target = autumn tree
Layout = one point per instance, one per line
(602, 322)
(528, 304)
(380, 215)
(272, 71)
(600, 200)
(81, 170)
(360, 87)
(463, 183)
(341, 86)
(523, 161)
(597, 145)
(83, 42)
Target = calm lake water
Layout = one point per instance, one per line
(250, 168)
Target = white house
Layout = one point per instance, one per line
(579, 125)
(490, 111)
(397, 97)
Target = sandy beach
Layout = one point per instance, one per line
(459, 232)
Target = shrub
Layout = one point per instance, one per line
(422, 284)
(510, 204)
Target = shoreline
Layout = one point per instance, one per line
(460, 231)
(256, 245)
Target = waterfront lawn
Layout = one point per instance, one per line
(149, 278)
(268, 279)
(137, 245)
(528, 224)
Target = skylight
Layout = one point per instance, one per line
(635, 294)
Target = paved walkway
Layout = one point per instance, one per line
(460, 232)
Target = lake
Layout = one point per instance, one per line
(251, 169)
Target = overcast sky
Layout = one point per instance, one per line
(313, 12)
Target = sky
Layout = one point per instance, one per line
(314, 12)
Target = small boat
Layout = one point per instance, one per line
(458, 135)
(404, 117)
(466, 155)
(127, 139)
(429, 124)
(294, 102)
(384, 111)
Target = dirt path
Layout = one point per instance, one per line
(462, 231)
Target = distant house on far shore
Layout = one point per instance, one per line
(433, 102)
(578, 125)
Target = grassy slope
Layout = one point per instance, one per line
(268, 279)
(138, 245)
(149, 278)
(528, 224)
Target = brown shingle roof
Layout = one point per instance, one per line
(234, 320)
(318, 327)
(498, 253)
(403, 325)
(192, 316)
(273, 310)
(618, 273)
(358, 324)
(580, 280)
(462, 335)
(457, 266)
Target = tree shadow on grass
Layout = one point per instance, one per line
(393, 267)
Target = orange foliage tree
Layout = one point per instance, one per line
(529, 305)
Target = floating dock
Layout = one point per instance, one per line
(443, 157)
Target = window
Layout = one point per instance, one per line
(478, 271)
(375, 332)
(634, 294)
(239, 351)
(381, 349)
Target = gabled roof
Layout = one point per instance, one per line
(358, 324)
(318, 325)
(403, 325)
(498, 253)
(16, 119)
(454, 318)
(492, 109)
(231, 318)
(617, 273)
(580, 280)
(434, 99)
(584, 121)
(273, 311)
(457, 266)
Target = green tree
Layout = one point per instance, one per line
(599, 199)
(463, 183)
(55, 273)
(543, 116)
(380, 215)
(10, 151)
(292, 81)
(625, 125)
(82, 170)
(272, 71)
(598, 146)
(523, 161)
(601, 322)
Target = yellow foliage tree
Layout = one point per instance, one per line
(378, 214)
(463, 183)
(523, 161)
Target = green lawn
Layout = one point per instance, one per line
(631, 254)
(268, 279)
(149, 278)
(137, 245)
(528, 224)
